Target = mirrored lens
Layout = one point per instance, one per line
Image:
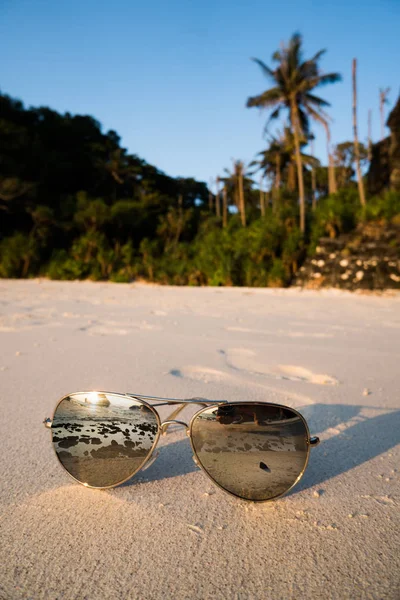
(103, 439)
(255, 451)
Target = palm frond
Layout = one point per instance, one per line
(304, 122)
(277, 56)
(316, 100)
(317, 56)
(265, 69)
(274, 115)
(294, 53)
(268, 99)
(310, 161)
(318, 115)
(328, 78)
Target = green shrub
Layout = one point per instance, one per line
(386, 206)
(334, 215)
(277, 277)
(19, 256)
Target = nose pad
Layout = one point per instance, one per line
(150, 462)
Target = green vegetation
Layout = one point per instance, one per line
(74, 204)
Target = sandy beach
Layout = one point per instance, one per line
(169, 532)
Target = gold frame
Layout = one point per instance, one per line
(311, 441)
(163, 426)
(48, 424)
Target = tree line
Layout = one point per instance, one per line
(75, 204)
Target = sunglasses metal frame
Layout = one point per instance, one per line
(182, 403)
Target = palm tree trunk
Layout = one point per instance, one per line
(224, 206)
(332, 187)
(296, 132)
(241, 197)
(356, 146)
(313, 181)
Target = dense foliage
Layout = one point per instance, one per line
(74, 204)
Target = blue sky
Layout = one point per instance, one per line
(172, 78)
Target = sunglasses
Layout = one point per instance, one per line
(253, 450)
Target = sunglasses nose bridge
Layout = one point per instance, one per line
(166, 424)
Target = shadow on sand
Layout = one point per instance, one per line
(361, 441)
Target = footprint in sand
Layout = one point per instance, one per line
(104, 330)
(204, 374)
(114, 328)
(280, 332)
(243, 359)
(208, 375)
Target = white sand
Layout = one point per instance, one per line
(172, 534)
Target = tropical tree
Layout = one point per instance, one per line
(271, 162)
(294, 81)
(278, 161)
(237, 181)
(345, 161)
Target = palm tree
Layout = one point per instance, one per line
(270, 163)
(237, 180)
(280, 157)
(294, 81)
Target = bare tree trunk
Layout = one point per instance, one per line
(313, 181)
(262, 204)
(241, 196)
(332, 187)
(217, 199)
(296, 131)
(224, 206)
(369, 135)
(356, 146)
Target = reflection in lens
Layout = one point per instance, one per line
(254, 451)
(102, 439)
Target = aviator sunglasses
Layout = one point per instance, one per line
(253, 450)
